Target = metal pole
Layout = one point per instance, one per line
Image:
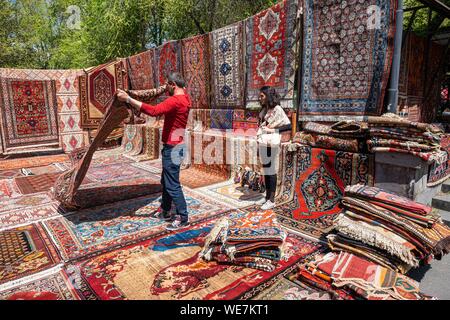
(395, 74)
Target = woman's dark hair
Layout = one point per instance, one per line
(177, 78)
(273, 98)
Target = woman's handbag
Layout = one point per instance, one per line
(268, 138)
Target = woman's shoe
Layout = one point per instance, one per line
(268, 205)
(238, 175)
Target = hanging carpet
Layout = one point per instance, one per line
(98, 87)
(195, 54)
(271, 52)
(227, 67)
(28, 115)
(346, 60)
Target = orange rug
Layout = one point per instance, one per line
(32, 162)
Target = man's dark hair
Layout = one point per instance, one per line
(273, 98)
(177, 78)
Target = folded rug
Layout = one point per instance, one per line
(369, 280)
(429, 157)
(339, 129)
(378, 256)
(304, 276)
(399, 144)
(256, 227)
(435, 238)
(371, 233)
(326, 142)
(242, 235)
(396, 121)
(397, 204)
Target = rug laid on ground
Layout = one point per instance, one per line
(27, 212)
(195, 54)
(285, 289)
(167, 60)
(10, 174)
(313, 185)
(169, 267)
(346, 64)
(39, 183)
(24, 202)
(233, 194)
(32, 162)
(141, 70)
(114, 173)
(28, 114)
(196, 178)
(58, 286)
(227, 67)
(271, 52)
(8, 190)
(53, 168)
(93, 231)
(97, 89)
(25, 251)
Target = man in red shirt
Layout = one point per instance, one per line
(176, 111)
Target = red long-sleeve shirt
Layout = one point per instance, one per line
(176, 112)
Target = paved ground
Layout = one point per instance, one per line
(435, 279)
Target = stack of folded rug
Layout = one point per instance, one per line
(348, 276)
(252, 240)
(389, 230)
(391, 133)
(342, 135)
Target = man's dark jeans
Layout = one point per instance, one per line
(172, 157)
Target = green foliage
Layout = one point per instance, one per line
(38, 33)
(420, 24)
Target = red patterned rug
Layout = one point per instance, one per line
(271, 43)
(167, 59)
(29, 114)
(197, 178)
(195, 54)
(97, 89)
(32, 162)
(168, 267)
(58, 286)
(140, 70)
(39, 183)
(313, 184)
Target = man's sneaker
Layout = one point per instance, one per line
(268, 205)
(162, 215)
(261, 201)
(177, 225)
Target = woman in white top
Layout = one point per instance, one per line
(272, 121)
